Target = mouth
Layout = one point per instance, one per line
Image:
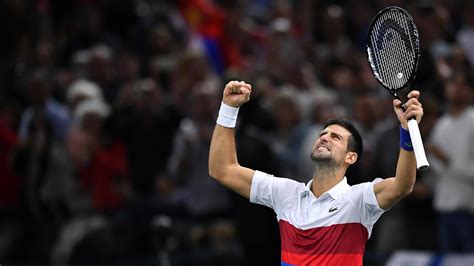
(322, 148)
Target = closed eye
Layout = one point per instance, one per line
(336, 136)
(332, 135)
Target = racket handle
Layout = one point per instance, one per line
(417, 142)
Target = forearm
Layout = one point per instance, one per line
(222, 153)
(391, 190)
(405, 176)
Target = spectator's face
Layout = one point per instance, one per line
(364, 108)
(458, 92)
(98, 68)
(76, 101)
(148, 96)
(78, 148)
(204, 107)
(128, 67)
(286, 114)
(92, 123)
(160, 40)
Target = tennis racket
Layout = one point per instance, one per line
(393, 49)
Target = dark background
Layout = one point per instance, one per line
(107, 108)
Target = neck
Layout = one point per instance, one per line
(325, 177)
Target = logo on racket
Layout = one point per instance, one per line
(387, 30)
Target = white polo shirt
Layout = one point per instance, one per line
(330, 230)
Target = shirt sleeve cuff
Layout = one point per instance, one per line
(372, 199)
(257, 177)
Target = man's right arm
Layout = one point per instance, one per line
(223, 164)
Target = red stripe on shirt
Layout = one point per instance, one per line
(338, 241)
(322, 259)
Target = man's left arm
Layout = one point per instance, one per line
(391, 190)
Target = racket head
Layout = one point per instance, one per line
(393, 48)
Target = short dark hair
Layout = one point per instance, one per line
(355, 140)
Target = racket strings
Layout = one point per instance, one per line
(393, 49)
(394, 67)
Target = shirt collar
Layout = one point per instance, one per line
(335, 191)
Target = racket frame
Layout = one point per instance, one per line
(421, 160)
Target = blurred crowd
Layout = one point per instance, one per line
(107, 109)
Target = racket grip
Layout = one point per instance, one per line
(417, 142)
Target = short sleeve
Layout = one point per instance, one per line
(364, 197)
(372, 210)
(272, 191)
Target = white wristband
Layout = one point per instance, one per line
(227, 115)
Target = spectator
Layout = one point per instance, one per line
(147, 123)
(38, 92)
(80, 90)
(187, 164)
(288, 134)
(452, 164)
(104, 172)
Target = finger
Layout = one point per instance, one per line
(413, 107)
(413, 94)
(414, 113)
(245, 91)
(229, 86)
(236, 89)
(231, 83)
(248, 86)
(236, 85)
(413, 101)
(397, 102)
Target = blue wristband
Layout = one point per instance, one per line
(405, 140)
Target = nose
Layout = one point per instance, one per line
(324, 138)
(320, 140)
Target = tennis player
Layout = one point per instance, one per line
(326, 221)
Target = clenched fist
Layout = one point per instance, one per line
(236, 93)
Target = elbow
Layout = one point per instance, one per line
(401, 191)
(213, 168)
(221, 172)
(404, 185)
(216, 173)
(213, 172)
(407, 190)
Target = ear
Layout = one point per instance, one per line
(351, 157)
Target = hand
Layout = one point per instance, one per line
(236, 93)
(412, 109)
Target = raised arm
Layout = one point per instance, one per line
(223, 164)
(391, 190)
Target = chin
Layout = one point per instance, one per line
(320, 157)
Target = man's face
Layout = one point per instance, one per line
(331, 145)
